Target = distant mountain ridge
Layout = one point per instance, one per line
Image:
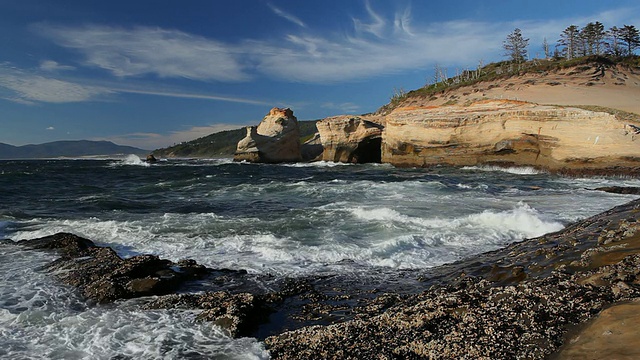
(67, 148)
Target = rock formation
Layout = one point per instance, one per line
(509, 133)
(350, 139)
(276, 139)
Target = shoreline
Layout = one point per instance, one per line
(594, 259)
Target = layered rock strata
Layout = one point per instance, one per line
(350, 139)
(276, 139)
(509, 133)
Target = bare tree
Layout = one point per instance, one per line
(515, 46)
(545, 48)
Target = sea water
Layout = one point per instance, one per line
(280, 220)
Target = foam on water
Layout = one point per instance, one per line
(319, 164)
(367, 236)
(131, 160)
(41, 319)
(524, 170)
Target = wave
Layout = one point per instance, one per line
(320, 164)
(41, 319)
(131, 160)
(366, 236)
(524, 170)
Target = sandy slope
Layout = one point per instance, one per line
(616, 87)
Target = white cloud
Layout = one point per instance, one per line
(146, 50)
(346, 107)
(376, 24)
(29, 88)
(51, 128)
(151, 141)
(188, 95)
(288, 16)
(378, 44)
(50, 65)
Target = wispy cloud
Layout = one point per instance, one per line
(346, 107)
(189, 95)
(145, 50)
(378, 44)
(51, 128)
(375, 25)
(288, 16)
(30, 88)
(50, 65)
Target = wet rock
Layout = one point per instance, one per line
(620, 189)
(239, 314)
(103, 276)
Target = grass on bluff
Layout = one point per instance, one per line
(503, 70)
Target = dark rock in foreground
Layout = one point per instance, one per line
(517, 302)
(519, 307)
(239, 314)
(103, 276)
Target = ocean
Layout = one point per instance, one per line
(361, 221)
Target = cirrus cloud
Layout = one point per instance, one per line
(145, 50)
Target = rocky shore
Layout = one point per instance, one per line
(555, 295)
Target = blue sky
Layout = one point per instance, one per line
(151, 73)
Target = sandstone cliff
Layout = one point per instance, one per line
(276, 139)
(501, 121)
(350, 139)
(509, 133)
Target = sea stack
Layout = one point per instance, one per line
(275, 140)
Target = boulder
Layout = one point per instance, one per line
(276, 139)
(350, 139)
(103, 276)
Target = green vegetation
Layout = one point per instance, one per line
(221, 144)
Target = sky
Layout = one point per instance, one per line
(153, 73)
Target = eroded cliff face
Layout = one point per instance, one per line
(509, 133)
(276, 139)
(350, 139)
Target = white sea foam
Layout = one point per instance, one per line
(131, 160)
(367, 236)
(321, 164)
(524, 170)
(39, 319)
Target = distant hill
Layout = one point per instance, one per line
(66, 149)
(222, 143)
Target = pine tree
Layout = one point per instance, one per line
(592, 37)
(570, 40)
(515, 46)
(614, 43)
(631, 37)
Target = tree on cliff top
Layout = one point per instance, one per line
(630, 37)
(515, 46)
